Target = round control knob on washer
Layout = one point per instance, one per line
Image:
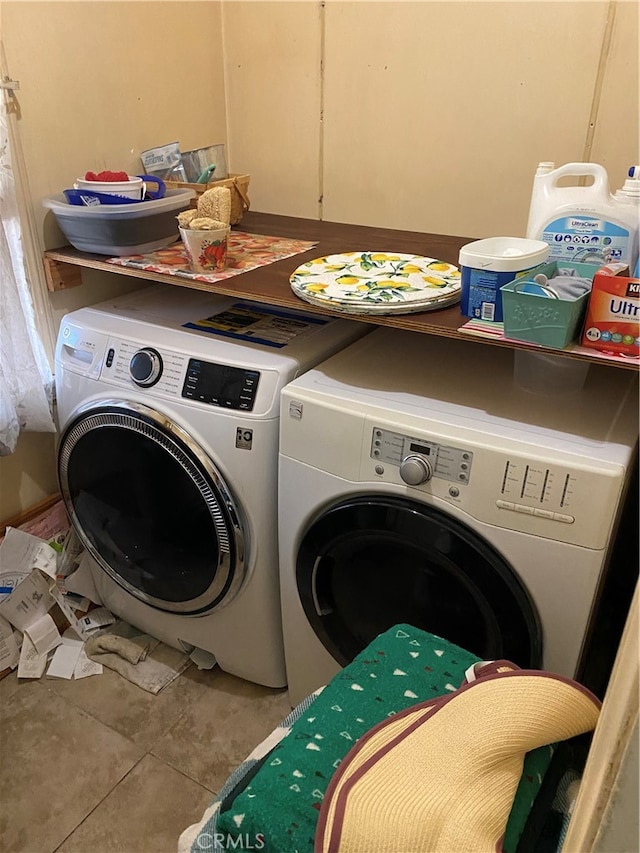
(145, 367)
(415, 470)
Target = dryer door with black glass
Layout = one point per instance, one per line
(371, 562)
(151, 507)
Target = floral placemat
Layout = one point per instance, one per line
(245, 252)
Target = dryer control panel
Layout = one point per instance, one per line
(444, 461)
(543, 493)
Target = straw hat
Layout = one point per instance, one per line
(441, 776)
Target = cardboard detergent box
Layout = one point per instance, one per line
(612, 323)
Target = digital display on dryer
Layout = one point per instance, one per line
(220, 385)
(420, 448)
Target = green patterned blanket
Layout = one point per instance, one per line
(273, 800)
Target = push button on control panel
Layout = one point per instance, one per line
(526, 510)
(505, 504)
(543, 513)
(565, 519)
(539, 513)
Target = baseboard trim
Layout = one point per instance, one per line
(29, 514)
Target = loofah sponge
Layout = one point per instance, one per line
(186, 217)
(206, 223)
(216, 203)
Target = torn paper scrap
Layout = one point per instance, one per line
(78, 602)
(31, 663)
(8, 582)
(44, 634)
(9, 652)
(17, 554)
(202, 658)
(21, 552)
(71, 555)
(86, 667)
(64, 661)
(28, 602)
(69, 612)
(98, 618)
(81, 580)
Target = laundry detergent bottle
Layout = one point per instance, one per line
(630, 194)
(583, 223)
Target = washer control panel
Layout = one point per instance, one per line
(176, 375)
(128, 362)
(441, 460)
(220, 385)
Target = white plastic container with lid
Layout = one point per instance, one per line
(583, 223)
(488, 264)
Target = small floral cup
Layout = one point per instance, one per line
(207, 250)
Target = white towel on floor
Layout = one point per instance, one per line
(141, 659)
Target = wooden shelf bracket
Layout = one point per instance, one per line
(61, 276)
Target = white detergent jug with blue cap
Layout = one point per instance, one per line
(630, 194)
(584, 223)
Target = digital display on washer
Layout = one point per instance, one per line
(220, 385)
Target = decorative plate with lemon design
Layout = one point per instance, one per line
(377, 283)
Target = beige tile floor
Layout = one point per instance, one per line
(101, 766)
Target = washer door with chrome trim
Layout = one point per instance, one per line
(371, 562)
(151, 507)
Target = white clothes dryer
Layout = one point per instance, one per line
(168, 408)
(419, 484)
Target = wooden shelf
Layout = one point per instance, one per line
(270, 284)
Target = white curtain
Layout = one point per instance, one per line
(26, 382)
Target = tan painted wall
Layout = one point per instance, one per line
(99, 83)
(273, 52)
(434, 114)
(426, 115)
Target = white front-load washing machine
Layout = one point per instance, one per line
(168, 409)
(418, 483)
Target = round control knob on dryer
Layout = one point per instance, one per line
(146, 367)
(415, 470)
